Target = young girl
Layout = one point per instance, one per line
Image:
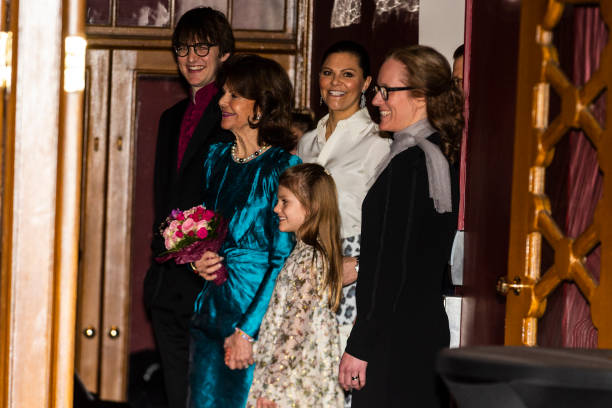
(298, 350)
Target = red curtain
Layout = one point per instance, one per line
(584, 177)
(466, 110)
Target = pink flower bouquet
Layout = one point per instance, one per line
(188, 234)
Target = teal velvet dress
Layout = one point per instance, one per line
(254, 252)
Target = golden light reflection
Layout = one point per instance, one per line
(74, 64)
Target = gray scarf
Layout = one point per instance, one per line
(438, 171)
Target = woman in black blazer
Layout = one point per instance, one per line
(408, 222)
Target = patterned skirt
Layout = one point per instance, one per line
(347, 312)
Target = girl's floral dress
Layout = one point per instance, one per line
(298, 350)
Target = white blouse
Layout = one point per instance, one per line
(351, 155)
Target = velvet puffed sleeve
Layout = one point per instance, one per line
(280, 245)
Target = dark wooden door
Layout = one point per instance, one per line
(491, 65)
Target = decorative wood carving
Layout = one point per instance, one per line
(535, 142)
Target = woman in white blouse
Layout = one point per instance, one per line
(348, 144)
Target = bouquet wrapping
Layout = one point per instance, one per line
(188, 234)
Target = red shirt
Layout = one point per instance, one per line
(192, 117)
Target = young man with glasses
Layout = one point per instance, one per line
(202, 41)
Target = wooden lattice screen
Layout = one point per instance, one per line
(535, 141)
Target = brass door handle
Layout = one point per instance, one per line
(113, 333)
(89, 332)
(503, 287)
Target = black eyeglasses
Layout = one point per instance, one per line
(201, 49)
(384, 90)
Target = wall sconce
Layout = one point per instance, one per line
(74, 63)
(6, 59)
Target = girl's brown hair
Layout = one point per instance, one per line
(428, 71)
(316, 191)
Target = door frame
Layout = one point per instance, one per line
(40, 204)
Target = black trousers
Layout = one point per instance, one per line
(172, 338)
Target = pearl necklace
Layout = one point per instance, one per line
(249, 157)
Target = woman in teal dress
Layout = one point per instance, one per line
(241, 180)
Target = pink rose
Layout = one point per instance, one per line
(190, 233)
(180, 217)
(188, 224)
(208, 215)
(202, 233)
(179, 234)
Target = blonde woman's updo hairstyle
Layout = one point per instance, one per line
(428, 71)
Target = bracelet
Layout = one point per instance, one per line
(244, 335)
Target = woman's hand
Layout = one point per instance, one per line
(352, 372)
(265, 403)
(349, 273)
(241, 355)
(208, 264)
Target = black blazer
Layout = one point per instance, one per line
(170, 286)
(405, 247)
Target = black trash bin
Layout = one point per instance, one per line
(527, 377)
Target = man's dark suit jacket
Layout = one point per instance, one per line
(170, 286)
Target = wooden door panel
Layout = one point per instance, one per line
(116, 202)
(89, 330)
(158, 87)
(103, 325)
(115, 290)
(535, 141)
